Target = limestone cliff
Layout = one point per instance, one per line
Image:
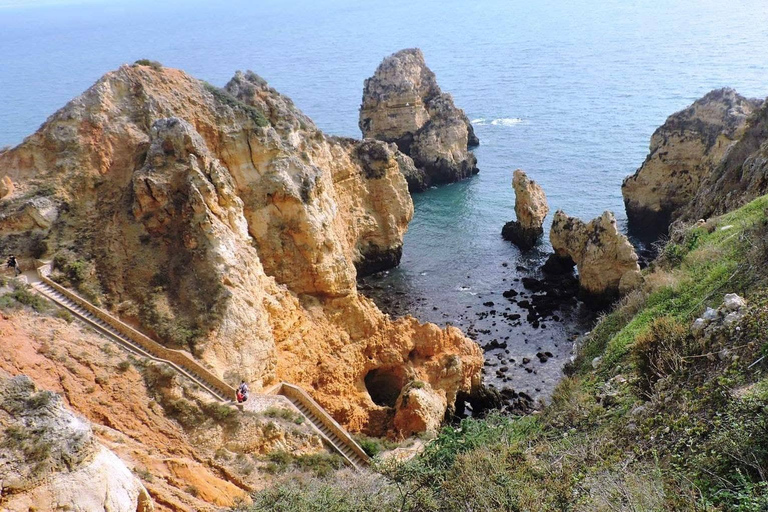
(402, 103)
(223, 221)
(530, 208)
(684, 169)
(49, 458)
(606, 261)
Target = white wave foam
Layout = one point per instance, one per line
(507, 121)
(502, 121)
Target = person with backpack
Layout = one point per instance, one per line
(12, 263)
(242, 392)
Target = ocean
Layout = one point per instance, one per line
(569, 91)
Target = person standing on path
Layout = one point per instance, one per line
(242, 392)
(12, 263)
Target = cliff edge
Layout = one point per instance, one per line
(222, 221)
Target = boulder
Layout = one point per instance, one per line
(403, 104)
(419, 408)
(530, 208)
(605, 259)
(684, 152)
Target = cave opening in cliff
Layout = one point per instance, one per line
(385, 384)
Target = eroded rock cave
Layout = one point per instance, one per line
(385, 384)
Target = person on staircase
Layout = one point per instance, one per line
(242, 392)
(12, 263)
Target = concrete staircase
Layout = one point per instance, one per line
(335, 436)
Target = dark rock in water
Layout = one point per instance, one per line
(509, 293)
(488, 398)
(376, 259)
(556, 265)
(542, 357)
(488, 304)
(526, 360)
(533, 284)
(524, 238)
(521, 268)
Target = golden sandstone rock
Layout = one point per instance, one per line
(224, 222)
(685, 153)
(403, 104)
(530, 209)
(605, 258)
(6, 187)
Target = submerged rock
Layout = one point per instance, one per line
(530, 208)
(605, 259)
(403, 104)
(684, 153)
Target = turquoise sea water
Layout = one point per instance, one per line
(570, 91)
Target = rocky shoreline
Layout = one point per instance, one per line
(525, 326)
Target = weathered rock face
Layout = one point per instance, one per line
(223, 221)
(419, 409)
(530, 208)
(605, 259)
(49, 458)
(685, 155)
(402, 103)
(6, 187)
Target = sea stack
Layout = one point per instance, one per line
(605, 259)
(530, 208)
(684, 153)
(403, 104)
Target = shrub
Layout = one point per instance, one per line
(23, 296)
(151, 63)
(222, 96)
(660, 351)
(123, 366)
(65, 315)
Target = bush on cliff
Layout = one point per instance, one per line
(663, 420)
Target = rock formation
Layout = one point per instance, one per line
(605, 259)
(685, 162)
(224, 222)
(530, 208)
(403, 104)
(50, 459)
(6, 187)
(419, 409)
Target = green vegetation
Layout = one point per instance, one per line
(21, 296)
(284, 414)
(374, 445)
(224, 97)
(73, 272)
(319, 464)
(151, 63)
(651, 417)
